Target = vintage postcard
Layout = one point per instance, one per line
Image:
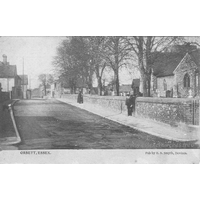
(99, 99)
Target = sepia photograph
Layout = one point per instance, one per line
(104, 94)
(99, 100)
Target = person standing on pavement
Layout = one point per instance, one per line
(130, 103)
(80, 97)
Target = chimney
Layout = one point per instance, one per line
(4, 59)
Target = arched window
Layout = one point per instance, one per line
(165, 85)
(197, 79)
(186, 80)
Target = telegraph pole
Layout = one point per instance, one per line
(23, 77)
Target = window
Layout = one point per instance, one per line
(186, 80)
(165, 85)
(197, 79)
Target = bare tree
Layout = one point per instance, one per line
(65, 66)
(143, 48)
(71, 63)
(97, 61)
(45, 79)
(116, 51)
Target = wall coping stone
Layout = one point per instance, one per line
(141, 99)
(164, 100)
(122, 98)
(106, 97)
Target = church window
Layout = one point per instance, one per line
(165, 85)
(186, 80)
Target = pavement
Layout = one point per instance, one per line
(180, 133)
(9, 134)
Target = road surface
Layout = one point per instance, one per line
(50, 124)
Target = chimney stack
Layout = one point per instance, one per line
(4, 59)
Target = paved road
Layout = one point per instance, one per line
(50, 124)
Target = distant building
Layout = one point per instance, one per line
(136, 86)
(66, 86)
(24, 85)
(10, 81)
(36, 93)
(124, 89)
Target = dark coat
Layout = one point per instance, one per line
(127, 101)
(130, 103)
(80, 98)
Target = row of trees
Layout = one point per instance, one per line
(79, 58)
(45, 81)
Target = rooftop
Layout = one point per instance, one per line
(24, 79)
(7, 71)
(165, 63)
(125, 88)
(136, 83)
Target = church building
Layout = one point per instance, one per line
(176, 75)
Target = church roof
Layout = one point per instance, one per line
(165, 63)
(195, 55)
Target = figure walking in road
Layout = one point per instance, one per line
(80, 97)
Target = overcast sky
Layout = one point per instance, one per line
(37, 52)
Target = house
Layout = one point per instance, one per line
(24, 85)
(175, 74)
(65, 85)
(36, 93)
(124, 89)
(55, 89)
(10, 81)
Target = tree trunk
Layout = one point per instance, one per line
(116, 78)
(149, 85)
(145, 73)
(45, 90)
(143, 82)
(99, 74)
(99, 86)
(74, 90)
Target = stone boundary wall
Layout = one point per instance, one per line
(1, 116)
(114, 103)
(173, 111)
(4, 96)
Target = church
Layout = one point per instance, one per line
(176, 74)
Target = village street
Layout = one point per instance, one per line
(50, 124)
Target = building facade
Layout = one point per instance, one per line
(176, 75)
(24, 85)
(10, 81)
